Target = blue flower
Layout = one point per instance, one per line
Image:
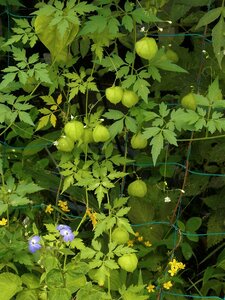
(67, 234)
(34, 244)
(61, 226)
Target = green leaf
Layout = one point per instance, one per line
(128, 23)
(27, 188)
(186, 250)
(82, 7)
(25, 117)
(131, 124)
(10, 285)
(151, 131)
(27, 295)
(157, 146)
(141, 88)
(8, 78)
(30, 280)
(113, 114)
(59, 294)
(218, 40)
(116, 128)
(209, 17)
(193, 224)
(170, 136)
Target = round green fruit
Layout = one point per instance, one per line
(114, 94)
(120, 235)
(87, 136)
(189, 102)
(138, 141)
(74, 130)
(101, 133)
(137, 188)
(130, 98)
(172, 55)
(65, 144)
(146, 48)
(128, 262)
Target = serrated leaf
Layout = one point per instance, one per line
(128, 23)
(157, 146)
(170, 136)
(113, 114)
(25, 117)
(8, 78)
(116, 128)
(53, 120)
(151, 131)
(209, 17)
(131, 124)
(43, 121)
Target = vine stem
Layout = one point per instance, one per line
(184, 181)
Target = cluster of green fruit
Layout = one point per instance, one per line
(76, 132)
(127, 262)
(116, 94)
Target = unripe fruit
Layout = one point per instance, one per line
(87, 136)
(146, 47)
(101, 133)
(137, 188)
(65, 144)
(130, 98)
(172, 55)
(138, 141)
(74, 130)
(189, 102)
(120, 235)
(128, 262)
(114, 94)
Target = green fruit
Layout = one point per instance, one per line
(137, 188)
(128, 262)
(87, 136)
(120, 235)
(101, 133)
(146, 48)
(65, 144)
(171, 55)
(138, 141)
(74, 130)
(114, 94)
(130, 98)
(189, 101)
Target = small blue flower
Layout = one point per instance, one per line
(67, 234)
(61, 226)
(34, 244)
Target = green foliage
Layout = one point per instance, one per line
(58, 60)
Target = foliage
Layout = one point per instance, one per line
(145, 82)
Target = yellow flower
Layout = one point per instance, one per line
(49, 209)
(130, 243)
(181, 265)
(147, 244)
(167, 285)
(140, 238)
(92, 216)
(3, 222)
(151, 288)
(175, 266)
(137, 234)
(173, 271)
(63, 205)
